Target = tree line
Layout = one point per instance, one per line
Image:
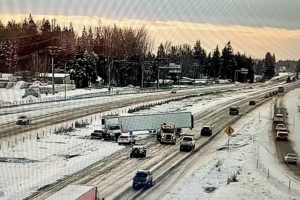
(120, 56)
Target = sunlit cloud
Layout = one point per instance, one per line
(254, 41)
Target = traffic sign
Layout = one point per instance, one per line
(229, 130)
(244, 71)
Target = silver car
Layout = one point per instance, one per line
(290, 158)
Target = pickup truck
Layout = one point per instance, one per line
(187, 143)
(142, 178)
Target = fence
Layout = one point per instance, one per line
(73, 97)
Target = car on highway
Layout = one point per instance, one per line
(23, 120)
(278, 118)
(234, 110)
(282, 135)
(187, 143)
(98, 134)
(290, 158)
(280, 126)
(206, 131)
(126, 139)
(142, 178)
(252, 103)
(173, 91)
(138, 151)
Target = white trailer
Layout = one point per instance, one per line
(75, 192)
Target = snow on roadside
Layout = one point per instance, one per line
(291, 102)
(30, 165)
(209, 177)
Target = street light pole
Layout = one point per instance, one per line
(53, 86)
(65, 81)
(52, 50)
(157, 85)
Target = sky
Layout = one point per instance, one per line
(253, 26)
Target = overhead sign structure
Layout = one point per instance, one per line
(244, 71)
(229, 130)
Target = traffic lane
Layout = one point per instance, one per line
(284, 147)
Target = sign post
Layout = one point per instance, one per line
(245, 72)
(229, 130)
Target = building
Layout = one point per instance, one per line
(59, 78)
(170, 71)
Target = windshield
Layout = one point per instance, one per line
(22, 117)
(187, 139)
(114, 128)
(141, 174)
(282, 134)
(168, 130)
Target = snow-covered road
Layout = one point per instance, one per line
(210, 175)
(73, 152)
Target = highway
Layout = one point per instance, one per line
(113, 175)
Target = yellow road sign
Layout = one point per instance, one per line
(229, 130)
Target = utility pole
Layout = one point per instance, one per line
(142, 63)
(53, 86)
(157, 86)
(52, 50)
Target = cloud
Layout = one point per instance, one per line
(255, 41)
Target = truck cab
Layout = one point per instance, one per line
(114, 131)
(167, 133)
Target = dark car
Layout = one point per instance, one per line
(138, 151)
(206, 131)
(173, 91)
(142, 178)
(23, 120)
(252, 103)
(98, 134)
(234, 110)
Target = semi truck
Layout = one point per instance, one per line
(167, 133)
(111, 126)
(75, 192)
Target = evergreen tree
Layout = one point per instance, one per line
(228, 65)
(269, 66)
(216, 63)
